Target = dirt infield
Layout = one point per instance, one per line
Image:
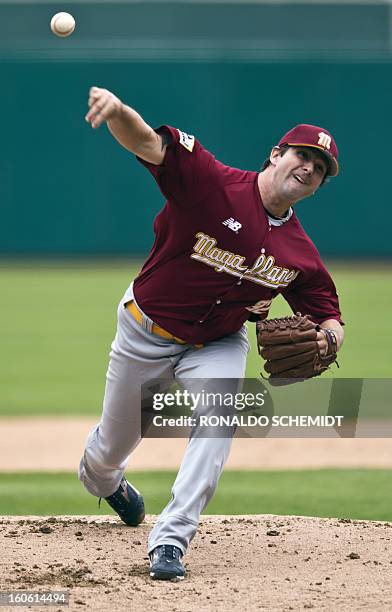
(252, 562)
(261, 562)
(56, 444)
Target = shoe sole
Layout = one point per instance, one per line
(166, 576)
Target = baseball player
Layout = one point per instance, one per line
(227, 242)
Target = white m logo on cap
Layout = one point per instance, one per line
(324, 140)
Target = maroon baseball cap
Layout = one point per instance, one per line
(305, 135)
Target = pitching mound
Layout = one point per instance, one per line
(251, 562)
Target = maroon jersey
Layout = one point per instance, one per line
(216, 257)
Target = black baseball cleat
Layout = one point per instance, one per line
(128, 503)
(166, 563)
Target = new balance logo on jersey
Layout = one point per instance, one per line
(324, 140)
(232, 224)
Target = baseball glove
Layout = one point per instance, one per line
(289, 346)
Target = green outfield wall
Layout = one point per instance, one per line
(235, 75)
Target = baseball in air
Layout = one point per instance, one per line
(62, 24)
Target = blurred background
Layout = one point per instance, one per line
(237, 75)
(77, 210)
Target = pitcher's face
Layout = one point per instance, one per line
(298, 173)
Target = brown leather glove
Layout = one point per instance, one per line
(289, 346)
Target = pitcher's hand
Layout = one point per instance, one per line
(103, 105)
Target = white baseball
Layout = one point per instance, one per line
(62, 24)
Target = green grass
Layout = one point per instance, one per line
(356, 494)
(56, 325)
(57, 321)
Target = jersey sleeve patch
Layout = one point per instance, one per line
(187, 141)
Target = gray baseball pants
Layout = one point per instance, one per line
(139, 356)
